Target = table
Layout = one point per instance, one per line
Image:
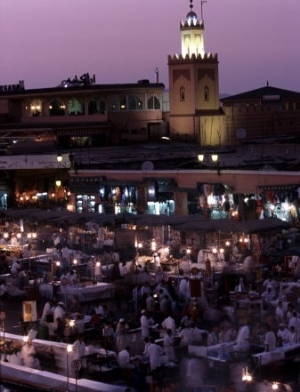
(23, 375)
(246, 301)
(222, 352)
(279, 354)
(84, 294)
(100, 360)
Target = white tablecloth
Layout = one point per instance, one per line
(218, 351)
(52, 381)
(278, 354)
(59, 352)
(84, 294)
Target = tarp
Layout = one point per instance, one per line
(233, 226)
(262, 225)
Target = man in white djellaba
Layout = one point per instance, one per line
(59, 312)
(242, 339)
(169, 323)
(124, 359)
(79, 348)
(155, 352)
(47, 311)
(28, 356)
(79, 351)
(184, 289)
(146, 322)
(169, 350)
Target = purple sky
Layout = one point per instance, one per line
(120, 41)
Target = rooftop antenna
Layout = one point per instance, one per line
(156, 75)
(202, 2)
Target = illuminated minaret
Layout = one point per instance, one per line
(194, 86)
(192, 34)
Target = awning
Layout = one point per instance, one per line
(233, 226)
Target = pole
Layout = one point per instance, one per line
(202, 2)
(67, 369)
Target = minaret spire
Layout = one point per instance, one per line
(191, 5)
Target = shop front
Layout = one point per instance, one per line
(213, 201)
(97, 194)
(281, 201)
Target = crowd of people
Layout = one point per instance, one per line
(166, 314)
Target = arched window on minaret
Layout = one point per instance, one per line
(182, 94)
(206, 93)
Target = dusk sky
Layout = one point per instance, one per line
(121, 41)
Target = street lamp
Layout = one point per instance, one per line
(214, 158)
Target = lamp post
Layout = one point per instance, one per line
(138, 246)
(69, 350)
(214, 158)
(188, 251)
(64, 164)
(2, 326)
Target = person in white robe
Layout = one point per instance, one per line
(169, 350)
(155, 352)
(242, 339)
(28, 356)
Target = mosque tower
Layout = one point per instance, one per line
(195, 112)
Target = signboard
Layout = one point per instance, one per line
(29, 311)
(13, 87)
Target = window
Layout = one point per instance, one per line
(182, 94)
(36, 108)
(206, 94)
(57, 108)
(153, 102)
(123, 105)
(119, 103)
(75, 107)
(134, 103)
(96, 106)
